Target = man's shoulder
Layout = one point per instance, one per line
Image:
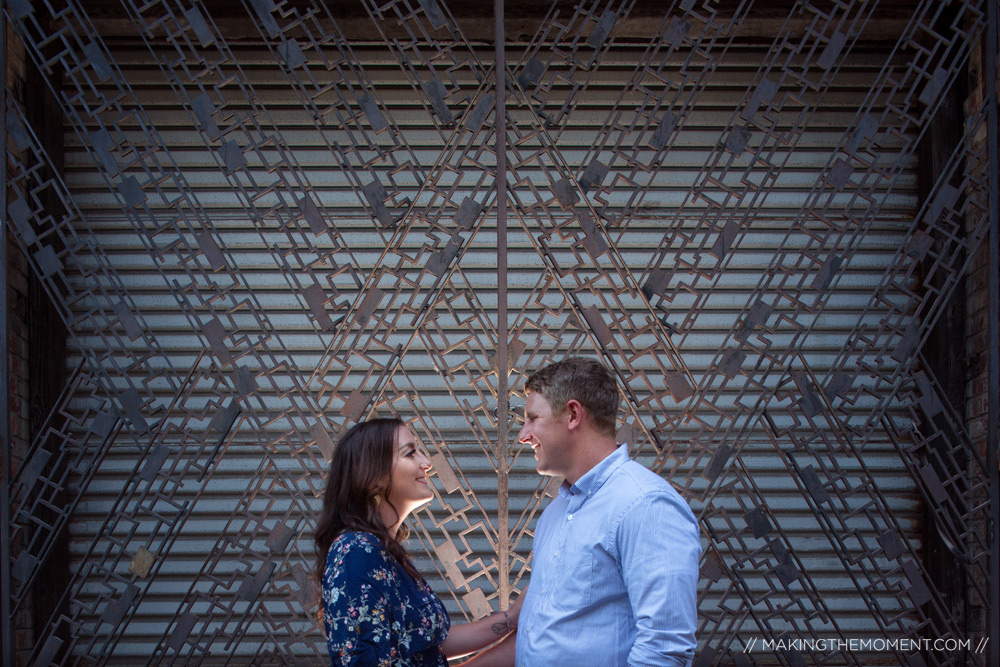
(639, 480)
(637, 485)
(554, 505)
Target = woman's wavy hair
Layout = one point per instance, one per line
(360, 469)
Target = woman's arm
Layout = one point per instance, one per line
(357, 606)
(470, 637)
(498, 655)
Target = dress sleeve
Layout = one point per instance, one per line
(659, 547)
(358, 583)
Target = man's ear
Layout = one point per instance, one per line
(574, 412)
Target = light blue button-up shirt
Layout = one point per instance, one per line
(614, 573)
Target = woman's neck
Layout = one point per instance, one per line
(390, 520)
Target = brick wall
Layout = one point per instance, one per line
(17, 352)
(977, 293)
(17, 360)
(977, 331)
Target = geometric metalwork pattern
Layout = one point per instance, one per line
(275, 219)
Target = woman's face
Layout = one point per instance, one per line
(410, 486)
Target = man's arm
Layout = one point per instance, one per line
(659, 549)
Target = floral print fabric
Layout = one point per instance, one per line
(374, 613)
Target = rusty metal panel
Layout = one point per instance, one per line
(278, 218)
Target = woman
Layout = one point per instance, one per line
(377, 609)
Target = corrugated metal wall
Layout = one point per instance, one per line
(441, 361)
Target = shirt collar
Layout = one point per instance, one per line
(595, 478)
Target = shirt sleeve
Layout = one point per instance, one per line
(357, 597)
(659, 550)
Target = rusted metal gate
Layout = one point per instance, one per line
(260, 223)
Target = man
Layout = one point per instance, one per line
(615, 566)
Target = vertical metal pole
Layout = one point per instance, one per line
(6, 449)
(993, 358)
(503, 399)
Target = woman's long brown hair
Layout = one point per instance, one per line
(361, 468)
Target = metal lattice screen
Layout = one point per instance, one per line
(265, 222)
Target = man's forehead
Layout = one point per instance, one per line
(536, 402)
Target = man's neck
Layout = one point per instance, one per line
(589, 455)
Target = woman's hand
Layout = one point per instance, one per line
(515, 610)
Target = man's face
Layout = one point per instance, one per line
(548, 436)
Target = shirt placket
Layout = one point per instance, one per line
(557, 556)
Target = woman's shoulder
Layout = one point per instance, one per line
(357, 539)
(354, 546)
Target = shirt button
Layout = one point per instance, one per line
(569, 517)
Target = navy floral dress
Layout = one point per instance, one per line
(374, 613)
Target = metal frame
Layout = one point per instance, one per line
(395, 318)
(503, 364)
